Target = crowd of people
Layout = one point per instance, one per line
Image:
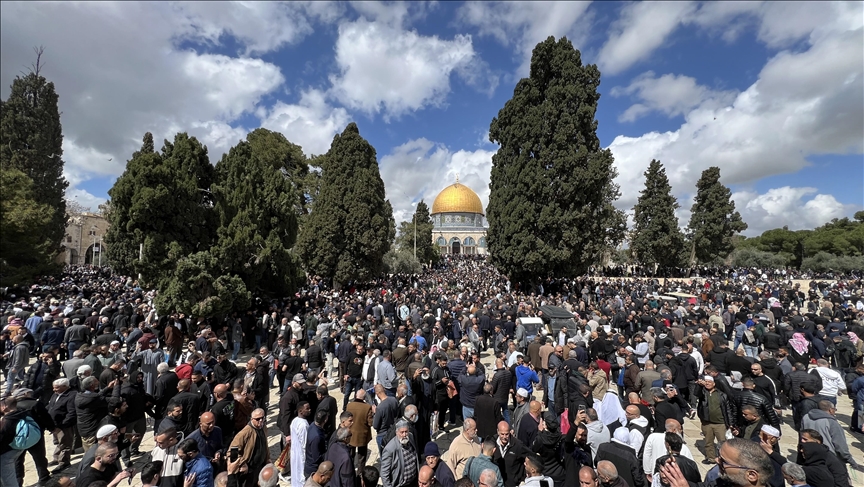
(440, 371)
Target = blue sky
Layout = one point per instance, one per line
(770, 92)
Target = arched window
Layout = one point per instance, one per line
(441, 242)
(482, 243)
(469, 244)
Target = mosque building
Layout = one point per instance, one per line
(458, 222)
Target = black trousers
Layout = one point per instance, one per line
(36, 451)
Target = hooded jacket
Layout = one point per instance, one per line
(818, 461)
(831, 431)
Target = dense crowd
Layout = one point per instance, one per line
(602, 396)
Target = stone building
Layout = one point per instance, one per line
(458, 222)
(83, 242)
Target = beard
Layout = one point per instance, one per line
(403, 441)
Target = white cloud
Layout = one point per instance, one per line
(786, 206)
(135, 79)
(260, 26)
(386, 69)
(420, 169)
(311, 123)
(87, 200)
(396, 14)
(524, 24)
(641, 28)
(670, 94)
(804, 103)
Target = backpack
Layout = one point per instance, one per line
(27, 434)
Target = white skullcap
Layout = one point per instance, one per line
(770, 430)
(105, 431)
(709, 378)
(522, 392)
(84, 369)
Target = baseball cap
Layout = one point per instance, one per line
(299, 378)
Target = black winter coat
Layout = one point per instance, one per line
(765, 409)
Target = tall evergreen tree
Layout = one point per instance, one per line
(22, 250)
(422, 222)
(31, 141)
(162, 200)
(550, 208)
(713, 219)
(351, 225)
(258, 199)
(656, 236)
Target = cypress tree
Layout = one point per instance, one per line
(259, 201)
(713, 219)
(162, 200)
(656, 236)
(426, 251)
(197, 286)
(550, 208)
(351, 225)
(31, 141)
(22, 251)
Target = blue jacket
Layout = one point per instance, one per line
(857, 388)
(53, 336)
(525, 377)
(200, 466)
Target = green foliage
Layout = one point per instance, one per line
(825, 262)
(351, 225)
(259, 199)
(162, 200)
(22, 250)
(838, 238)
(197, 286)
(550, 209)
(713, 219)
(426, 250)
(750, 257)
(401, 262)
(31, 142)
(656, 236)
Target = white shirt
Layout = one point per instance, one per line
(655, 447)
(298, 451)
(700, 362)
(832, 383)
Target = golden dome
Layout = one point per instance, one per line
(457, 198)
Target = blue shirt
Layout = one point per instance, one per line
(32, 323)
(420, 341)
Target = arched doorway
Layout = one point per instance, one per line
(93, 254)
(442, 245)
(455, 246)
(73, 257)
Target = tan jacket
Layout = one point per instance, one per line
(361, 431)
(460, 451)
(245, 442)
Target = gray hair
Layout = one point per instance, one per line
(162, 368)
(795, 471)
(489, 477)
(61, 382)
(411, 412)
(607, 469)
(402, 424)
(83, 370)
(88, 382)
(751, 455)
(342, 434)
(77, 353)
